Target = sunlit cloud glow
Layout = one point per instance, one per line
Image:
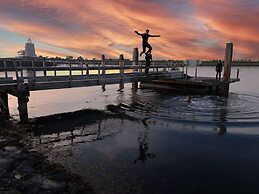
(90, 28)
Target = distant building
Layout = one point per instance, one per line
(29, 50)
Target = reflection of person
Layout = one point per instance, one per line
(218, 70)
(143, 152)
(145, 43)
(148, 61)
(221, 115)
(143, 145)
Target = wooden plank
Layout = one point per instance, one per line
(5, 69)
(121, 64)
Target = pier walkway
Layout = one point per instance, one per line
(18, 77)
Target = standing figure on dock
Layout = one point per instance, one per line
(145, 43)
(218, 70)
(148, 61)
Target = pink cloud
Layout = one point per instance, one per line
(94, 27)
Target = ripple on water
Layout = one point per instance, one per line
(237, 110)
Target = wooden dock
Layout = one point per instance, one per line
(21, 76)
(19, 80)
(200, 85)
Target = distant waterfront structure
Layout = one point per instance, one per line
(29, 50)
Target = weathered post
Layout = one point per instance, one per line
(99, 71)
(16, 71)
(4, 104)
(121, 64)
(70, 73)
(135, 63)
(20, 65)
(5, 67)
(82, 68)
(23, 99)
(186, 69)
(44, 67)
(55, 70)
(196, 69)
(238, 73)
(227, 70)
(87, 68)
(33, 74)
(103, 70)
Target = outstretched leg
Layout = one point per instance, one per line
(144, 49)
(149, 48)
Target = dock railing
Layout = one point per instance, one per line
(37, 71)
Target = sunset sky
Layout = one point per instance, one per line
(189, 29)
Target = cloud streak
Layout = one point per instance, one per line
(189, 28)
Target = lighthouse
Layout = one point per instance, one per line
(29, 49)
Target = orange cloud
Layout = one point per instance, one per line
(188, 28)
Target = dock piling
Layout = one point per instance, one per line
(44, 66)
(4, 104)
(121, 64)
(238, 73)
(227, 70)
(103, 64)
(135, 63)
(23, 99)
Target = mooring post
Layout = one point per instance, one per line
(5, 68)
(121, 64)
(103, 70)
(70, 73)
(44, 67)
(238, 73)
(55, 70)
(23, 99)
(4, 104)
(87, 69)
(227, 70)
(20, 65)
(16, 71)
(186, 69)
(135, 63)
(33, 74)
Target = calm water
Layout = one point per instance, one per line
(162, 144)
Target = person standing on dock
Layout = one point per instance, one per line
(148, 61)
(145, 43)
(218, 69)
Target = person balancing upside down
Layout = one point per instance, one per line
(145, 43)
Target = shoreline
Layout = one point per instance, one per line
(24, 170)
(237, 64)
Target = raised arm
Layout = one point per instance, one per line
(137, 33)
(154, 35)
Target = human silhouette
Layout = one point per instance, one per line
(145, 43)
(218, 70)
(148, 61)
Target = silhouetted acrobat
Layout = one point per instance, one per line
(145, 43)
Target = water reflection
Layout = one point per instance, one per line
(82, 127)
(143, 141)
(221, 110)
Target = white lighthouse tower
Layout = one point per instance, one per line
(29, 49)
